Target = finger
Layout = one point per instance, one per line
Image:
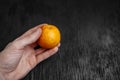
(28, 39)
(31, 30)
(39, 51)
(46, 54)
(59, 45)
(29, 35)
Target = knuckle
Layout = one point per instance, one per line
(14, 45)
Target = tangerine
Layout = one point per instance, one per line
(50, 36)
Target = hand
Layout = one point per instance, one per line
(19, 56)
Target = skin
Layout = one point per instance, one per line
(19, 57)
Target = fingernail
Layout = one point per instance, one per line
(37, 31)
(59, 44)
(56, 48)
(44, 24)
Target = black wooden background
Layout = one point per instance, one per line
(90, 29)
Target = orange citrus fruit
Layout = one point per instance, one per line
(50, 36)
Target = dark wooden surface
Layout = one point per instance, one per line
(90, 45)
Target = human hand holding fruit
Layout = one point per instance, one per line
(19, 56)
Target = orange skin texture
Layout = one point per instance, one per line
(50, 36)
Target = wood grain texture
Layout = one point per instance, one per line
(90, 45)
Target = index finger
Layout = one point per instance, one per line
(46, 54)
(31, 30)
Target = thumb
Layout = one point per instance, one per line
(28, 39)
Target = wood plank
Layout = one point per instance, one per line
(90, 37)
